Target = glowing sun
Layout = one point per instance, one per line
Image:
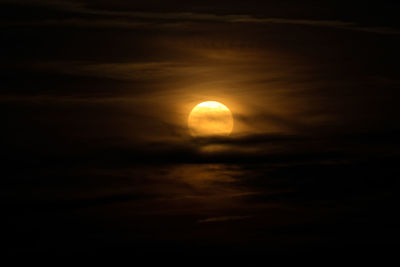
(210, 118)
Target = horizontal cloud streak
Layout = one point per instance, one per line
(224, 219)
(133, 19)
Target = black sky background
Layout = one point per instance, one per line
(96, 153)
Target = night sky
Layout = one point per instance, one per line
(97, 156)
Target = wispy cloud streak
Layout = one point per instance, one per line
(133, 19)
(223, 219)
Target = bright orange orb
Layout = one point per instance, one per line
(210, 118)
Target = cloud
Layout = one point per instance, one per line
(133, 19)
(223, 219)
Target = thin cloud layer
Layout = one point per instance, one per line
(128, 19)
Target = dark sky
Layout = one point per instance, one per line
(97, 155)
